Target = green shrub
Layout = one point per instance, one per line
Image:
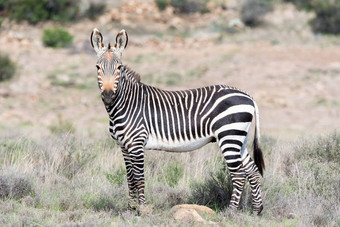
(327, 19)
(57, 37)
(35, 11)
(215, 191)
(118, 177)
(161, 4)
(190, 6)
(7, 68)
(95, 10)
(253, 11)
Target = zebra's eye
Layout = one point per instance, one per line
(98, 67)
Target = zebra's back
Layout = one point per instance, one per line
(187, 120)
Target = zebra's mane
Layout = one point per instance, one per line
(132, 75)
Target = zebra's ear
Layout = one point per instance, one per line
(97, 41)
(121, 41)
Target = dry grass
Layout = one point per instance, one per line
(64, 180)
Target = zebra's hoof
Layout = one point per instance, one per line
(132, 206)
(258, 210)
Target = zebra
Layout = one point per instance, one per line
(143, 117)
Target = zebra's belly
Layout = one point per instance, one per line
(154, 143)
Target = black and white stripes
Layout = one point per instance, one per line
(144, 117)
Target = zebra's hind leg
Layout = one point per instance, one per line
(232, 156)
(254, 178)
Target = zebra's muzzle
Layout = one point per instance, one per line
(108, 96)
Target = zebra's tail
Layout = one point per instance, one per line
(258, 156)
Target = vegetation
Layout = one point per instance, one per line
(94, 10)
(303, 4)
(215, 190)
(35, 11)
(327, 19)
(62, 126)
(57, 38)
(253, 11)
(83, 181)
(7, 68)
(184, 6)
(161, 4)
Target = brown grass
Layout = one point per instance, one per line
(298, 188)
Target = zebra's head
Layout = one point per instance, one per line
(109, 63)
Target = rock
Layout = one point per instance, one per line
(199, 208)
(236, 23)
(188, 215)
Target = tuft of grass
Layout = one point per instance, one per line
(63, 126)
(114, 200)
(173, 173)
(7, 68)
(57, 38)
(324, 149)
(164, 197)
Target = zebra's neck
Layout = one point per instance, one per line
(129, 93)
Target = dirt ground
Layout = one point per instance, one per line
(293, 74)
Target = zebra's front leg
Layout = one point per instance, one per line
(136, 154)
(133, 194)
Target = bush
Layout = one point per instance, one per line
(95, 10)
(35, 11)
(253, 11)
(161, 4)
(327, 18)
(7, 68)
(190, 6)
(215, 191)
(15, 186)
(57, 37)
